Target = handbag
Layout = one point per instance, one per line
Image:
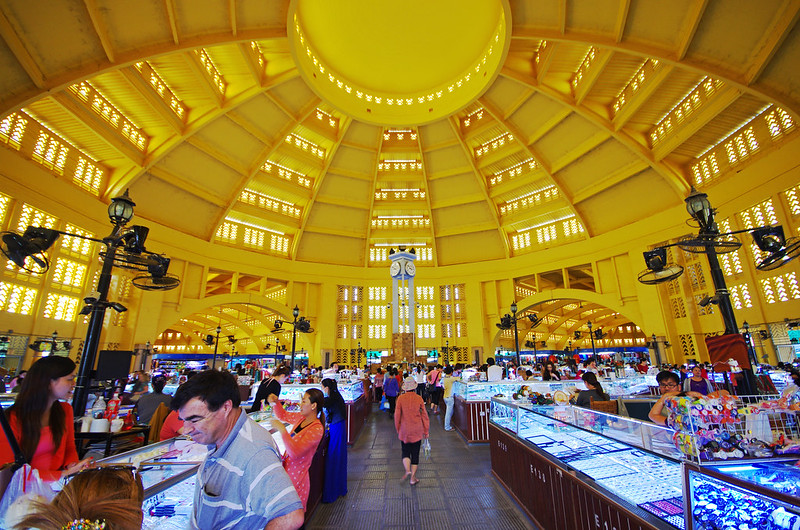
(426, 448)
(25, 487)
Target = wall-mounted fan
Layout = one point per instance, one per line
(657, 269)
(27, 251)
(158, 279)
(771, 239)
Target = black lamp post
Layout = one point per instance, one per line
(655, 351)
(447, 352)
(216, 345)
(53, 347)
(295, 314)
(699, 207)
(516, 337)
(591, 337)
(120, 211)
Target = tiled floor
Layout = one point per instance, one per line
(456, 488)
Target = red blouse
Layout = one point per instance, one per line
(411, 418)
(48, 459)
(300, 449)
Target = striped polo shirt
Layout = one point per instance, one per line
(243, 484)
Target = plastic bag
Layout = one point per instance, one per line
(384, 404)
(426, 448)
(25, 486)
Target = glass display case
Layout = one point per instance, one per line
(484, 391)
(628, 459)
(745, 496)
(350, 391)
(167, 469)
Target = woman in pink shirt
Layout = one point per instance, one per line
(411, 422)
(302, 441)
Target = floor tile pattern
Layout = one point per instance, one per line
(456, 488)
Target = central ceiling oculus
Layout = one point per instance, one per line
(399, 63)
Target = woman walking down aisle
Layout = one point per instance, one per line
(301, 443)
(412, 425)
(335, 485)
(434, 379)
(391, 389)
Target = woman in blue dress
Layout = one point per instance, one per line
(336, 462)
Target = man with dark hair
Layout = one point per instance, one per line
(669, 384)
(494, 372)
(150, 401)
(241, 483)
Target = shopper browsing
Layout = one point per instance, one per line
(594, 391)
(241, 483)
(412, 424)
(493, 371)
(271, 385)
(698, 383)
(335, 484)
(669, 385)
(42, 421)
(449, 399)
(302, 441)
(97, 498)
(391, 389)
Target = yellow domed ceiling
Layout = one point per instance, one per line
(401, 63)
(585, 117)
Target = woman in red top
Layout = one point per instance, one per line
(42, 423)
(412, 424)
(301, 443)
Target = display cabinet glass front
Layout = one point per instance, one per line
(484, 391)
(349, 391)
(723, 496)
(505, 414)
(613, 451)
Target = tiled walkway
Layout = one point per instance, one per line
(456, 488)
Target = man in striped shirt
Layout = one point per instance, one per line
(241, 483)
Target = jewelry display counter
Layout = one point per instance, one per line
(472, 399)
(577, 468)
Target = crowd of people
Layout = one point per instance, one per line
(245, 481)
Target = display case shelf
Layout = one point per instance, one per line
(631, 464)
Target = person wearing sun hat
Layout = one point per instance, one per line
(412, 424)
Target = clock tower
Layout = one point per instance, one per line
(402, 270)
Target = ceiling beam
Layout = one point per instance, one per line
(100, 28)
(590, 76)
(232, 16)
(670, 175)
(545, 59)
(783, 22)
(454, 126)
(205, 82)
(189, 186)
(217, 154)
(98, 125)
(20, 52)
(251, 62)
(693, 16)
(169, 6)
(622, 18)
(607, 181)
(144, 89)
(698, 119)
(660, 74)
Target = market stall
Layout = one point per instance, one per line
(570, 467)
(472, 398)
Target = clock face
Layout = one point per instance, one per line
(411, 269)
(394, 269)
